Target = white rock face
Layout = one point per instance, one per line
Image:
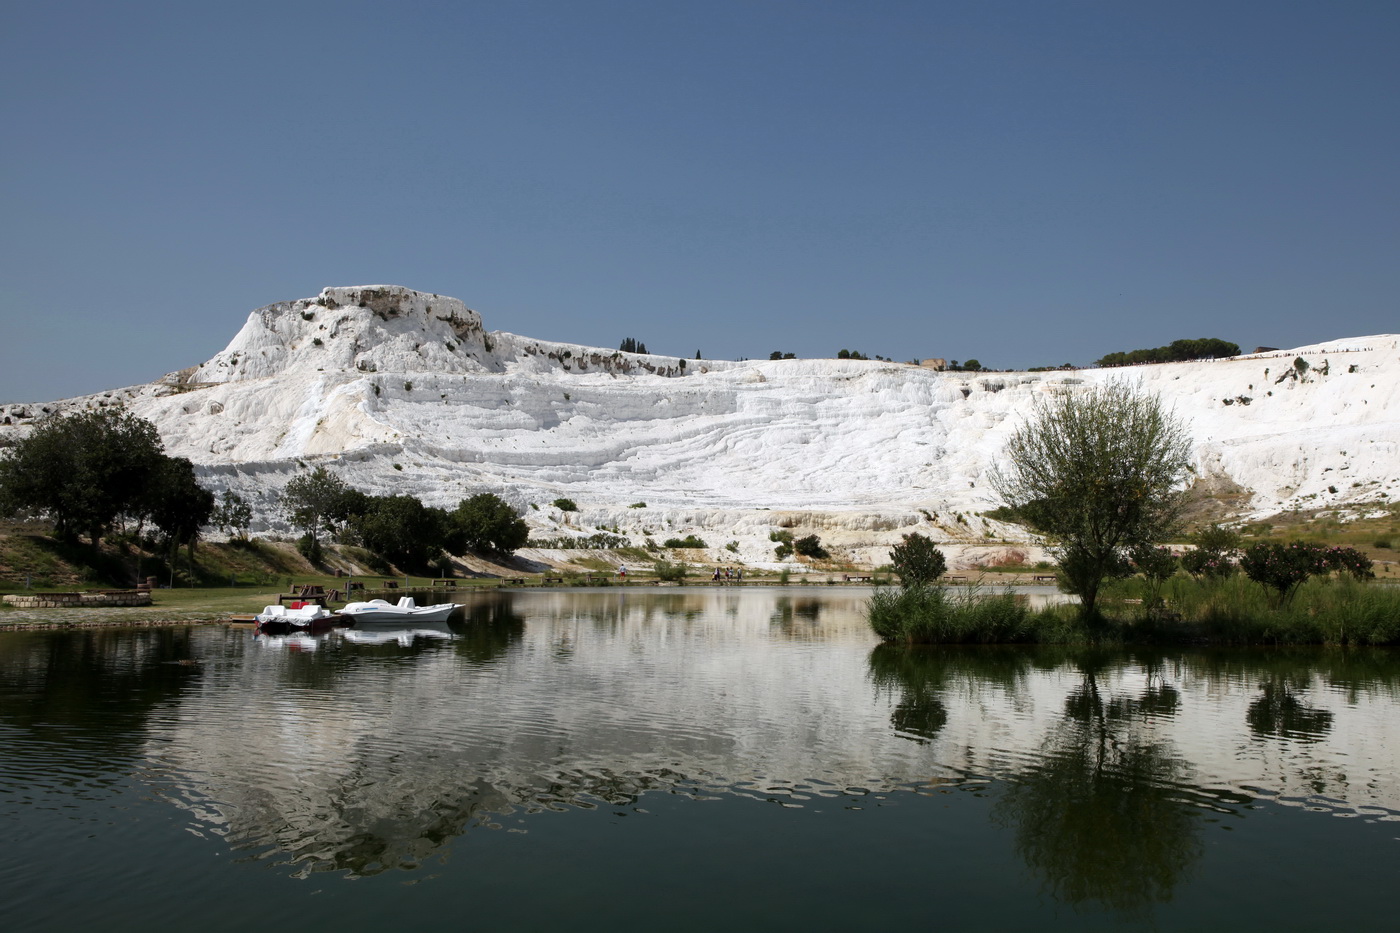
(401, 391)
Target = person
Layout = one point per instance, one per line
(622, 570)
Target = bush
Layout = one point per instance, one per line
(687, 541)
(917, 560)
(784, 540)
(310, 548)
(669, 572)
(565, 505)
(1283, 567)
(810, 546)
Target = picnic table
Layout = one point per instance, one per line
(445, 581)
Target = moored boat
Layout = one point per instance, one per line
(405, 610)
(298, 617)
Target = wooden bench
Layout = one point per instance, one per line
(445, 581)
(352, 586)
(853, 579)
(391, 584)
(513, 581)
(559, 580)
(285, 598)
(1045, 578)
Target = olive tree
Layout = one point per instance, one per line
(1099, 472)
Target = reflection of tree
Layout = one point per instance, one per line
(1278, 711)
(919, 675)
(795, 616)
(486, 628)
(97, 686)
(1100, 816)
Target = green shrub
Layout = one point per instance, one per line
(687, 541)
(565, 505)
(917, 560)
(310, 548)
(810, 546)
(669, 572)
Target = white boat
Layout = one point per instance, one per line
(405, 610)
(295, 618)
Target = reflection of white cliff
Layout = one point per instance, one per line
(373, 377)
(353, 757)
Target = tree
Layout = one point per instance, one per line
(232, 515)
(316, 502)
(177, 504)
(972, 366)
(402, 530)
(487, 523)
(82, 470)
(1099, 473)
(917, 561)
(631, 345)
(1157, 565)
(810, 546)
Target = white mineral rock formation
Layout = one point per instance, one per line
(401, 391)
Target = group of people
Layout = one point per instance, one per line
(735, 575)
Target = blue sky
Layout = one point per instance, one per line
(1025, 183)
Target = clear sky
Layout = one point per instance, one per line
(1024, 183)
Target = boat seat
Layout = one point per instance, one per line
(406, 602)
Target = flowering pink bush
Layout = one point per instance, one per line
(1285, 566)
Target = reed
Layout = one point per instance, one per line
(934, 615)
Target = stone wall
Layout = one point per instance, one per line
(83, 600)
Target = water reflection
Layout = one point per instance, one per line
(1109, 809)
(1279, 712)
(1100, 816)
(1105, 769)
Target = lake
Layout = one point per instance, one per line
(687, 759)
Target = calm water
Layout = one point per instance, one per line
(687, 760)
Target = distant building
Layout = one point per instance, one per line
(936, 364)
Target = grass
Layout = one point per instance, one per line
(1336, 611)
(940, 615)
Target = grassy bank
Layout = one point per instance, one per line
(1234, 611)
